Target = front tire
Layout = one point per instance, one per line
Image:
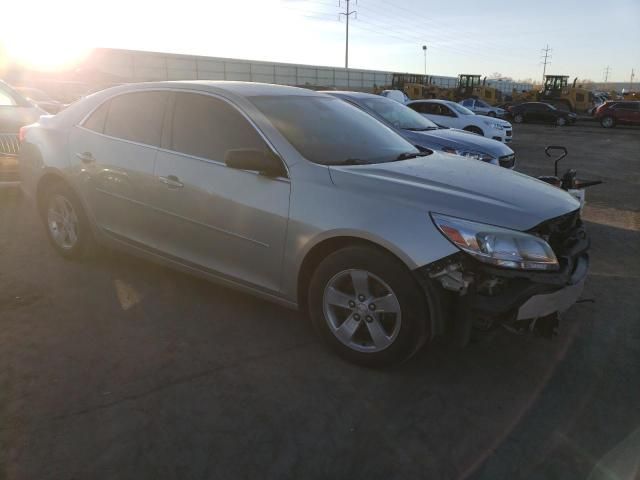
(492, 114)
(518, 118)
(367, 307)
(608, 122)
(561, 121)
(474, 129)
(65, 221)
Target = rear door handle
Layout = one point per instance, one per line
(85, 157)
(171, 181)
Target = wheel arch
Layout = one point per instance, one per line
(327, 246)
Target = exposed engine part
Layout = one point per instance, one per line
(490, 286)
(452, 278)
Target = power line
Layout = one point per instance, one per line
(347, 13)
(546, 61)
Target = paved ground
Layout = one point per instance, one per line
(121, 369)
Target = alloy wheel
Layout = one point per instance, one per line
(361, 310)
(62, 222)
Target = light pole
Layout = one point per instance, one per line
(424, 49)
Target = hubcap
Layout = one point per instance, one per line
(607, 122)
(62, 222)
(361, 310)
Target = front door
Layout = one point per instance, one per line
(227, 221)
(114, 152)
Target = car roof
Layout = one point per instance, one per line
(243, 89)
(432, 100)
(347, 93)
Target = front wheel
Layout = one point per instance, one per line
(561, 121)
(608, 122)
(492, 114)
(518, 118)
(368, 307)
(474, 129)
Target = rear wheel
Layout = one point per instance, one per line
(518, 118)
(561, 121)
(67, 226)
(608, 122)
(474, 129)
(368, 307)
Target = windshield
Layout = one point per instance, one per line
(460, 109)
(328, 131)
(397, 114)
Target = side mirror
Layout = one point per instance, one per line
(262, 161)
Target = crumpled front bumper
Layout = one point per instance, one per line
(560, 300)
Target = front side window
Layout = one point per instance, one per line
(398, 115)
(137, 117)
(206, 127)
(328, 131)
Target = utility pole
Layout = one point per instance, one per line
(424, 48)
(347, 13)
(546, 61)
(606, 74)
(633, 74)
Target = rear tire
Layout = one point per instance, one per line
(608, 122)
(561, 121)
(368, 308)
(474, 129)
(518, 118)
(66, 222)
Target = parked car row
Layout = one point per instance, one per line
(326, 203)
(15, 111)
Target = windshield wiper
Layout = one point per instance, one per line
(355, 161)
(408, 155)
(423, 129)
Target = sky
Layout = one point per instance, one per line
(462, 36)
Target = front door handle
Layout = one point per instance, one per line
(171, 181)
(86, 157)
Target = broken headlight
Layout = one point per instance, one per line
(496, 245)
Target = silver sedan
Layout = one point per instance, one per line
(308, 201)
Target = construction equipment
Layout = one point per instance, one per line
(418, 86)
(557, 91)
(471, 86)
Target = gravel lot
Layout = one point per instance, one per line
(117, 368)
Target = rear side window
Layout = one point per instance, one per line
(206, 127)
(98, 118)
(137, 117)
(469, 103)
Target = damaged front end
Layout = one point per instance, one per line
(485, 296)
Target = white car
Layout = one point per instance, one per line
(450, 114)
(480, 107)
(397, 95)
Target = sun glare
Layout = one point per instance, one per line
(45, 56)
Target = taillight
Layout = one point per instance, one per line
(22, 133)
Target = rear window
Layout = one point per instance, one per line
(137, 117)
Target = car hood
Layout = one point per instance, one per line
(458, 139)
(456, 186)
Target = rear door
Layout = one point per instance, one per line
(626, 112)
(228, 221)
(113, 152)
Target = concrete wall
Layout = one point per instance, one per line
(136, 66)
